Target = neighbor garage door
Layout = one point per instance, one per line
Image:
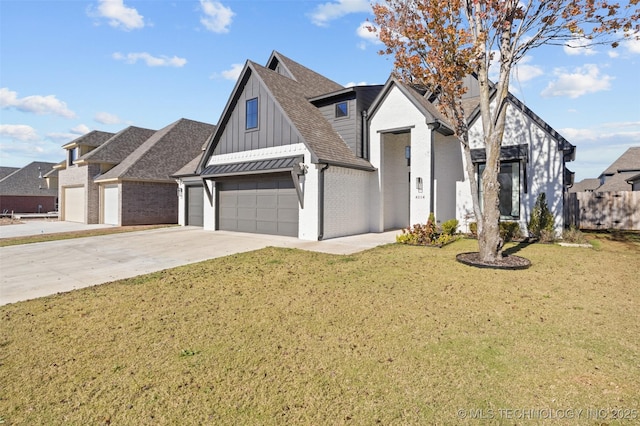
(195, 205)
(111, 205)
(267, 205)
(74, 204)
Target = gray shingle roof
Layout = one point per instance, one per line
(28, 181)
(585, 185)
(318, 134)
(166, 151)
(189, 169)
(617, 182)
(118, 147)
(313, 84)
(630, 160)
(94, 138)
(6, 171)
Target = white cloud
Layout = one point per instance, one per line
(80, 129)
(106, 118)
(583, 80)
(524, 71)
(36, 104)
(368, 37)
(579, 46)
(521, 72)
(19, 132)
(233, 73)
(150, 60)
(217, 17)
(632, 46)
(353, 84)
(326, 12)
(119, 15)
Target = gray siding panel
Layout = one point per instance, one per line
(346, 127)
(273, 129)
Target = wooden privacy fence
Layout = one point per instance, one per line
(603, 210)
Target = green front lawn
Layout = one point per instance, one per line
(394, 335)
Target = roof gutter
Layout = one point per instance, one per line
(321, 202)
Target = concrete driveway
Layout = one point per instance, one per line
(34, 270)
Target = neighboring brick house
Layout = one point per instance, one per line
(297, 154)
(25, 190)
(139, 189)
(88, 157)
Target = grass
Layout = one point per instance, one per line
(394, 335)
(29, 239)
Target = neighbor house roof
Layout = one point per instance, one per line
(6, 171)
(624, 168)
(94, 138)
(118, 147)
(585, 185)
(28, 181)
(166, 151)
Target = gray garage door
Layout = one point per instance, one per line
(267, 205)
(195, 205)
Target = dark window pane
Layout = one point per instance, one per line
(342, 109)
(252, 113)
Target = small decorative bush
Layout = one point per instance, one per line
(428, 234)
(574, 235)
(510, 231)
(541, 219)
(473, 228)
(450, 227)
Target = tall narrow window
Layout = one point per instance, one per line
(252, 113)
(509, 179)
(342, 109)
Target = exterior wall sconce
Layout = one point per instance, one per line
(179, 192)
(419, 184)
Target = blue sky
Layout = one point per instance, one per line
(69, 67)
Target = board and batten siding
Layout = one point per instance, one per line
(274, 129)
(347, 127)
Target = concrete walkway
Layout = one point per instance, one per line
(34, 270)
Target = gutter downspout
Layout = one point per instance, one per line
(321, 202)
(365, 135)
(433, 127)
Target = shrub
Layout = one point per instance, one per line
(450, 227)
(574, 235)
(427, 234)
(473, 228)
(509, 231)
(541, 218)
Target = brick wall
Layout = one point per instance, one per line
(146, 203)
(27, 204)
(346, 202)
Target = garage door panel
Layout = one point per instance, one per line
(195, 205)
(267, 205)
(270, 215)
(74, 204)
(247, 200)
(267, 201)
(290, 229)
(111, 205)
(245, 213)
(246, 225)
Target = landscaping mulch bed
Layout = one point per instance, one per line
(506, 262)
